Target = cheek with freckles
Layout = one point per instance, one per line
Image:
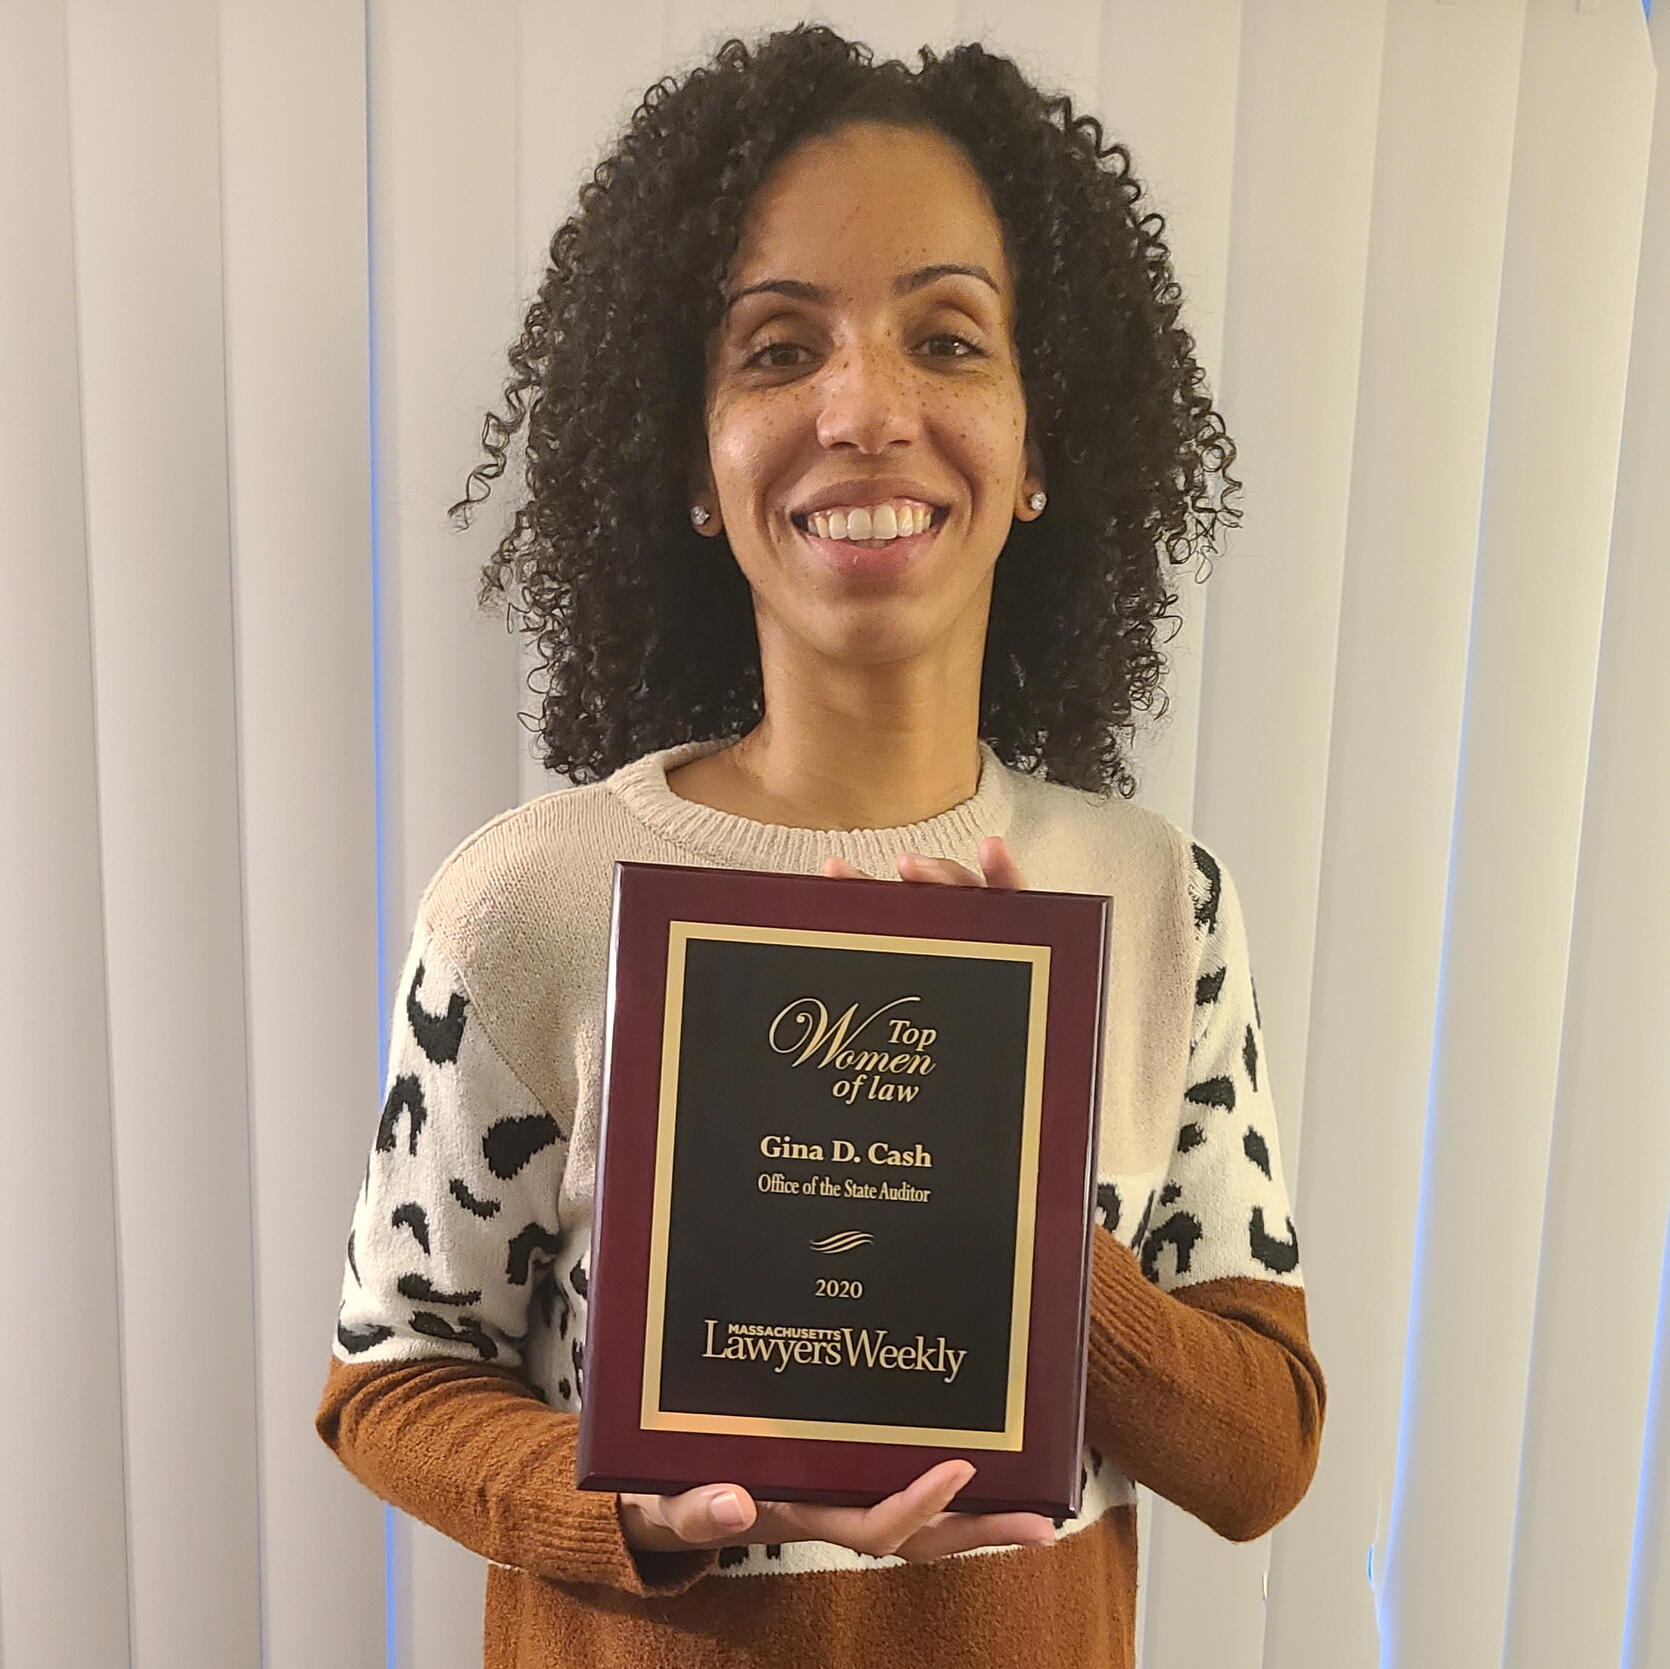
(764, 448)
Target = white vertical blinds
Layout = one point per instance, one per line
(144, 102)
(1601, 1292)
(299, 459)
(442, 95)
(63, 1506)
(271, 263)
(1434, 261)
(1571, 251)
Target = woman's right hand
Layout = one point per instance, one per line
(911, 1525)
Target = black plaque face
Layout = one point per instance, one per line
(846, 1168)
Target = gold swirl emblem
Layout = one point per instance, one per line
(847, 1242)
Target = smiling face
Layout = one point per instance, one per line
(853, 366)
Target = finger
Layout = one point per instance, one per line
(959, 1532)
(709, 1516)
(878, 1529)
(913, 866)
(885, 1526)
(838, 869)
(998, 865)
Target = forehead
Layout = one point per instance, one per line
(854, 207)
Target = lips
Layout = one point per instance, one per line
(856, 562)
(802, 518)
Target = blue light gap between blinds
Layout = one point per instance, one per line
(1655, 1439)
(1385, 1596)
(378, 768)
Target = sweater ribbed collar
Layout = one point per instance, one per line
(741, 843)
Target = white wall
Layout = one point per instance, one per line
(274, 256)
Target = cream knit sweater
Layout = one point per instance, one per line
(459, 1354)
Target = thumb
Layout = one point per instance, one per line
(838, 869)
(711, 1514)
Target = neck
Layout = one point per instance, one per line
(843, 747)
(832, 771)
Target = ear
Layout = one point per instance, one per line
(699, 490)
(1031, 481)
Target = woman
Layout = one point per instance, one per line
(822, 343)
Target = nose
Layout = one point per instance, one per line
(868, 398)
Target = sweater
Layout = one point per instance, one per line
(458, 1363)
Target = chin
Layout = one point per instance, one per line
(878, 642)
(885, 629)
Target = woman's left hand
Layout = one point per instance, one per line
(997, 868)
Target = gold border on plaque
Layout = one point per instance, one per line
(652, 1416)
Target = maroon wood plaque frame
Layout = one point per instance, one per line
(627, 1441)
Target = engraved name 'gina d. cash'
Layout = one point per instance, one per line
(836, 1037)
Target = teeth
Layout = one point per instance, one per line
(883, 521)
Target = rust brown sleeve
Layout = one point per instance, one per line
(1209, 1395)
(471, 1451)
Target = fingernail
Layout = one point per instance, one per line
(729, 1510)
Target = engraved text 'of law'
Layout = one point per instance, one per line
(907, 1053)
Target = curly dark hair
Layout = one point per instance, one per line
(643, 637)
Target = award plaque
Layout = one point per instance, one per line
(845, 1184)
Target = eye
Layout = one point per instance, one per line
(770, 347)
(948, 336)
(758, 357)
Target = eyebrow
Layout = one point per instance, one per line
(902, 285)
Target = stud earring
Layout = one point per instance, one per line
(1036, 501)
(699, 514)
